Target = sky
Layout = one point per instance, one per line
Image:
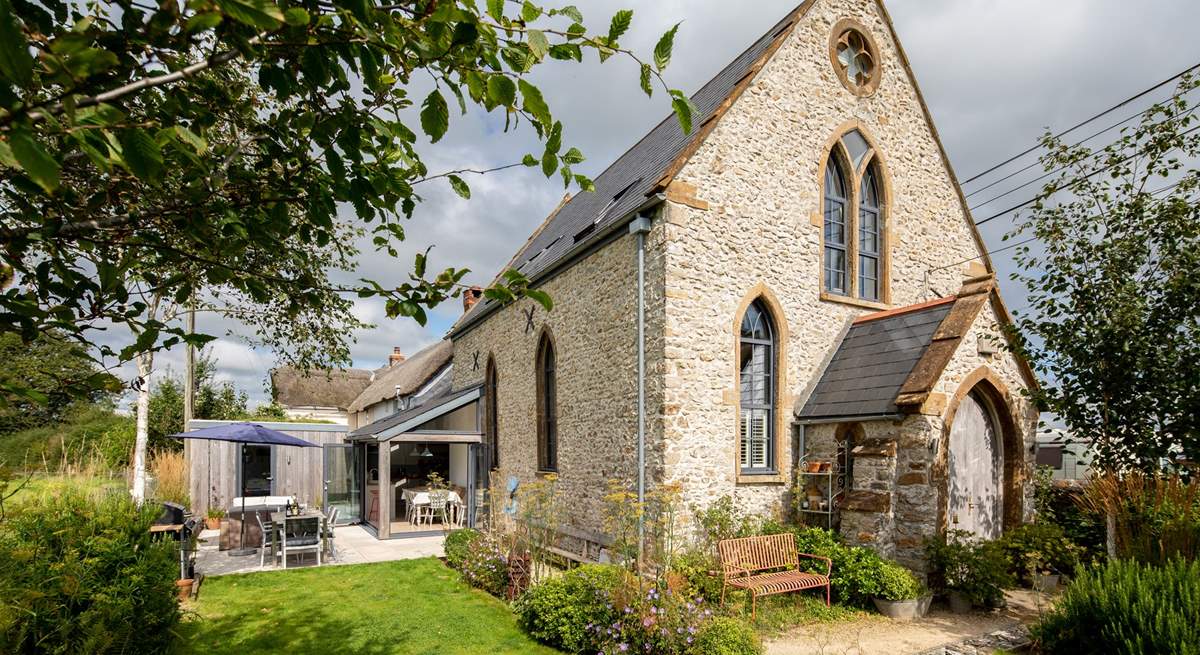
(995, 75)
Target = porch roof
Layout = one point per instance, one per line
(873, 362)
(400, 423)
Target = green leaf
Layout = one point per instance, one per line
(142, 154)
(620, 24)
(684, 110)
(460, 187)
(296, 16)
(530, 12)
(502, 90)
(549, 163)
(465, 33)
(570, 11)
(6, 156)
(203, 21)
(530, 161)
(435, 116)
(645, 80)
(538, 44)
(16, 64)
(38, 164)
(192, 139)
(534, 103)
(585, 183)
(541, 297)
(495, 9)
(261, 14)
(662, 51)
(573, 156)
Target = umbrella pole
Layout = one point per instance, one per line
(241, 550)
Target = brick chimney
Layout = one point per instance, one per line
(470, 297)
(396, 357)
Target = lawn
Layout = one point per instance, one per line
(410, 606)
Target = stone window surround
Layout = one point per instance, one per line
(839, 28)
(774, 308)
(546, 343)
(834, 148)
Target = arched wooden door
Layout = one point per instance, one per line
(976, 466)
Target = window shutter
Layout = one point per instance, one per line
(758, 440)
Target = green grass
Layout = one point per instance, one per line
(405, 607)
(43, 485)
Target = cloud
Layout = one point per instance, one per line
(995, 76)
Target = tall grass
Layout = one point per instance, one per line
(1154, 517)
(171, 477)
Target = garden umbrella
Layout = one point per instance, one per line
(252, 433)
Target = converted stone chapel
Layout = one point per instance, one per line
(817, 303)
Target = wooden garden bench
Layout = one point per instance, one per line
(768, 565)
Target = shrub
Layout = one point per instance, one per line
(723, 520)
(563, 611)
(1126, 608)
(84, 576)
(897, 583)
(1059, 504)
(170, 472)
(1156, 516)
(485, 566)
(1038, 548)
(695, 568)
(458, 545)
(656, 620)
(725, 635)
(978, 570)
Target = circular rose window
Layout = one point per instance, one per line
(854, 57)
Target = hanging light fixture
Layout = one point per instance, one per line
(416, 452)
(426, 453)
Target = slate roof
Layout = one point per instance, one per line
(401, 417)
(873, 361)
(627, 182)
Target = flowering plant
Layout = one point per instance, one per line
(655, 620)
(485, 566)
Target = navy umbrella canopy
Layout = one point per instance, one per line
(251, 433)
(246, 433)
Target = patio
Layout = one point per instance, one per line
(353, 545)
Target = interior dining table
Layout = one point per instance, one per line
(417, 496)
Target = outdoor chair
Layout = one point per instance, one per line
(330, 521)
(769, 564)
(305, 541)
(268, 540)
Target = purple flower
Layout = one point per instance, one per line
(623, 646)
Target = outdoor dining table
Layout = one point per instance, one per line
(416, 496)
(281, 520)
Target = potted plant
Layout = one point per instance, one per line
(1042, 577)
(212, 518)
(900, 595)
(971, 573)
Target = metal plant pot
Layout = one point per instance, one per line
(960, 603)
(1046, 584)
(904, 610)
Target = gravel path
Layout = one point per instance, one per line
(878, 634)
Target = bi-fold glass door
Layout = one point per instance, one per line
(343, 481)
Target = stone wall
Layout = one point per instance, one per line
(758, 175)
(594, 329)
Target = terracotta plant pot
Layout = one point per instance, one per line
(904, 610)
(959, 603)
(184, 587)
(212, 523)
(826, 467)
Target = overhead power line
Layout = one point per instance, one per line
(1070, 183)
(1079, 142)
(1115, 107)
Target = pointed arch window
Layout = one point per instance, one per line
(756, 379)
(854, 236)
(547, 405)
(491, 413)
